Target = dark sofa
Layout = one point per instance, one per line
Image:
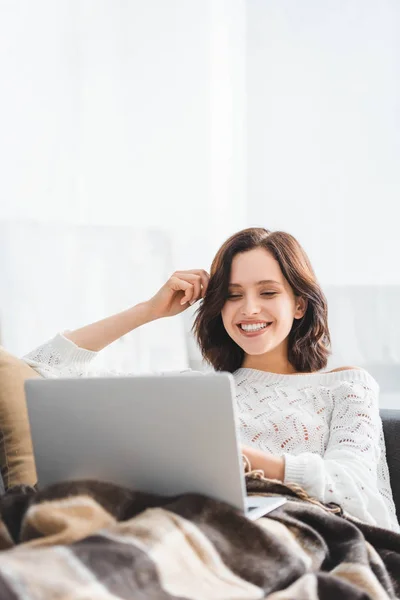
(391, 430)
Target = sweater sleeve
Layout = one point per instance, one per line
(60, 357)
(347, 474)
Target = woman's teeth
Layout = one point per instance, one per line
(257, 327)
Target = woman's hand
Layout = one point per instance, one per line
(273, 466)
(181, 290)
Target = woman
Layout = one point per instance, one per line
(264, 319)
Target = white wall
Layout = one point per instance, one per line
(324, 131)
(116, 113)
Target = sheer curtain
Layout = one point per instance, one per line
(125, 112)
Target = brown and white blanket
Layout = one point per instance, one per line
(92, 540)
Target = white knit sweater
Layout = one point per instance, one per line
(326, 425)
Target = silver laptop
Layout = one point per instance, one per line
(166, 435)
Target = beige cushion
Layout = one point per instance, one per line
(16, 455)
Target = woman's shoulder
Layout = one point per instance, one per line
(338, 369)
(352, 376)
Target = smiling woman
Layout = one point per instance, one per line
(263, 317)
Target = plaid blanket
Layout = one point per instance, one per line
(92, 540)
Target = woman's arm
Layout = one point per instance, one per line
(69, 354)
(182, 289)
(96, 336)
(349, 471)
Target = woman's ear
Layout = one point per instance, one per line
(301, 307)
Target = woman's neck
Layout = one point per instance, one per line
(271, 362)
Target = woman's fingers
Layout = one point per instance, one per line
(204, 278)
(189, 295)
(177, 284)
(204, 281)
(192, 283)
(198, 280)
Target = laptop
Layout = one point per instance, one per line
(163, 434)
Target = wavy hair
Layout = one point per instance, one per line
(309, 338)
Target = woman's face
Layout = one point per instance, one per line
(261, 306)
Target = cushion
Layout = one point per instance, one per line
(17, 464)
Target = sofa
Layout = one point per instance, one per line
(391, 430)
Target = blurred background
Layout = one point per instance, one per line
(136, 136)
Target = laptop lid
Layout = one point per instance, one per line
(167, 435)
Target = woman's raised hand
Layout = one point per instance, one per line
(181, 290)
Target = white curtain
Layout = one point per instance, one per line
(125, 112)
(113, 114)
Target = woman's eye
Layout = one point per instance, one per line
(235, 296)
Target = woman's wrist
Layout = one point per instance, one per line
(273, 466)
(139, 315)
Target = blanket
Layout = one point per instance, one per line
(93, 540)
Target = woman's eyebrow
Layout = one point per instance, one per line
(262, 282)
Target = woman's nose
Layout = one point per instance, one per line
(250, 306)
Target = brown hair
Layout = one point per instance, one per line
(309, 338)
